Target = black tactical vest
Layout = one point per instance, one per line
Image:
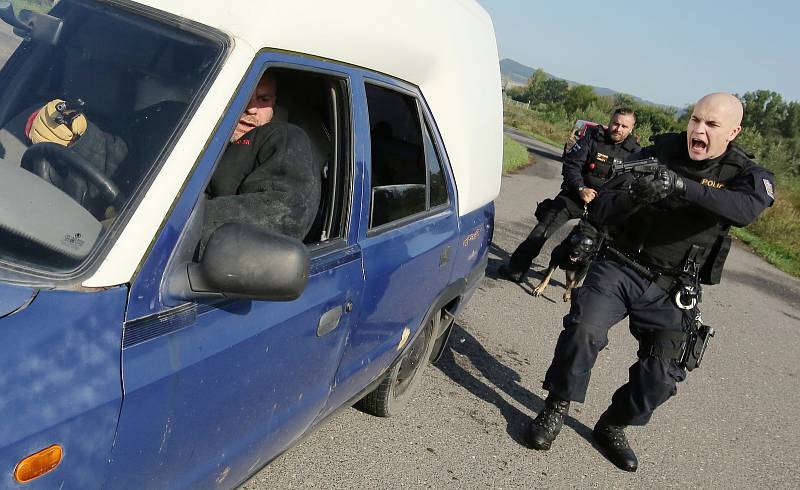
(597, 168)
(662, 234)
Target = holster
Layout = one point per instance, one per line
(688, 355)
(696, 345)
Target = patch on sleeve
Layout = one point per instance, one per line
(768, 187)
(574, 148)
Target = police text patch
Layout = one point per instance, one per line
(768, 187)
(575, 148)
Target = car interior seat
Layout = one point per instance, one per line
(305, 101)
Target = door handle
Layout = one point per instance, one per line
(329, 321)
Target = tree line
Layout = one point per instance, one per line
(772, 125)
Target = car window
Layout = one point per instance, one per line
(438, 185)
(318, 104)
(84, 122)
(284, 166)
(407, 176)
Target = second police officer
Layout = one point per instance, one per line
(587, 165)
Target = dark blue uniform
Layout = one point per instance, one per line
(729, 190)
(586, 164)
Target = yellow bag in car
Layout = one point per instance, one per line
(45, 129)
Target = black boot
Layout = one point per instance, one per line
(505, 272)
(546, 426)
(614, 445)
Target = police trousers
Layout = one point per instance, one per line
(564, 207)
(610, 293)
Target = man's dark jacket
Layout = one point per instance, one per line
(267, 177)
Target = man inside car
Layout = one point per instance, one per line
(267, 175)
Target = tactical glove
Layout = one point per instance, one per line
(48, 125)
(654, 187)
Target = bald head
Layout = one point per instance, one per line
(728, 105)
(716, 120)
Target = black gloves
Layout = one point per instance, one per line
(656, 186)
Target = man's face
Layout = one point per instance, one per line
(620, 127)
(714, 124)
(259, 109)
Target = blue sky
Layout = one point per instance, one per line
(670, 52)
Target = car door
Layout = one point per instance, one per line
(409, 224)
(216, 389)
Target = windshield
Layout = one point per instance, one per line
(86, 115)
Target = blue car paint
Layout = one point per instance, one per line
(477, 229)
(231, 389)
(408, 253)
(60, 383)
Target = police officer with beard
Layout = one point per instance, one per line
(587, 165)
(671, 233)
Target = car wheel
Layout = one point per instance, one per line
(403, 378)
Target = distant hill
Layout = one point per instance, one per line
(513, 74)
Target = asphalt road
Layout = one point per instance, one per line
(733, 424)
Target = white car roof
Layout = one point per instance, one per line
(445, 47)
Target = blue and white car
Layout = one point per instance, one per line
(126, 362)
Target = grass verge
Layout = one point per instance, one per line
(43, 6)
(545, 131)
(515, 155)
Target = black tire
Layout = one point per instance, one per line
(400, 382)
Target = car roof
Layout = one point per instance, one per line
(447, 48)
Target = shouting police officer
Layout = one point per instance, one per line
(670, 232)
(587, 165)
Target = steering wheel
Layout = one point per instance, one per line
(42, 158)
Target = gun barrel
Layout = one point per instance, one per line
(638, 166)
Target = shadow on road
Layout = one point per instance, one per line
(768, 284)
(491, 375)
(526, 285)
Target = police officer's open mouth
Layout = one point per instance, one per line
(698, 144)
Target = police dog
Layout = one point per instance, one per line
(574, 255)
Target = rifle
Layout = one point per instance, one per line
(637, 167)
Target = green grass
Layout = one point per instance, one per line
(776, 234)
(515, 155)
(43, 6)
(776, 254)
(526, 121)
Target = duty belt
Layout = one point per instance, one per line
(665, 281)
(682, 284)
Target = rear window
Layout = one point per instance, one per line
(407, 172)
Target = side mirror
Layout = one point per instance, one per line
(246, 261)
(32, 25)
